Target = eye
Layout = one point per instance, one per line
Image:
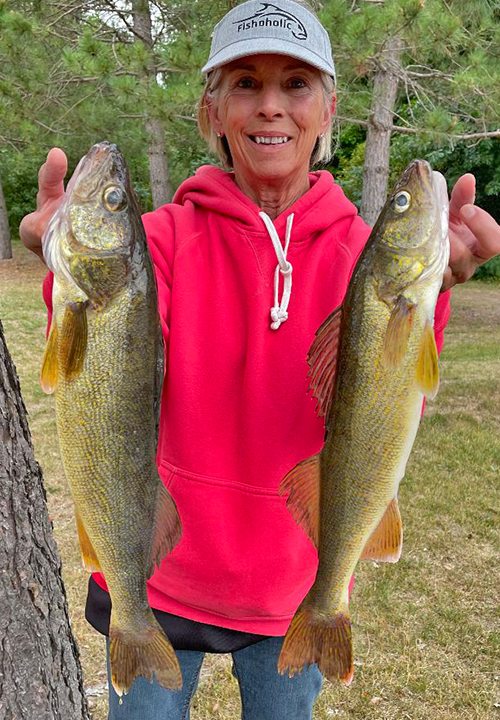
(297, 83)
(245, 83)
(114, 198)
(402, 201)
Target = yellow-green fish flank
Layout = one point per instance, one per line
(373, 361)
(104, 359)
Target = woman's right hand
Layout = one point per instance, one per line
(50, 196)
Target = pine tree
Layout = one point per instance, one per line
(445, 82)
(41, 677)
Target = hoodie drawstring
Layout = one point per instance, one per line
(279, 312)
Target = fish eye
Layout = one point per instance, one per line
(402, 201)
(114, 198)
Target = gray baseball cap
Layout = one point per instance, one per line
(284, 28)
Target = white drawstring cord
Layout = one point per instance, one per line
(279, 312)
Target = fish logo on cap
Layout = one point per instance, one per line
(273, 16)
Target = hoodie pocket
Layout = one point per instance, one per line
(241, 554)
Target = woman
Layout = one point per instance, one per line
(236, 415)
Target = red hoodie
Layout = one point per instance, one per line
(236, 415)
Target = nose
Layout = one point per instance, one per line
(271, 103)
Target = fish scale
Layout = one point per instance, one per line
(371, 364)
(104, 360)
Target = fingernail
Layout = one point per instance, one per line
(467, 211)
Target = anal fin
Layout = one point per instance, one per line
(303, 501)
(89, 557)
(386, 542)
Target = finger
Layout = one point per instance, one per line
(485, 229)
(462, 263)
(464, 192)
(448, 280)
(51, 176)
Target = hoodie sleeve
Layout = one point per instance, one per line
(160, 233)
(47, 286)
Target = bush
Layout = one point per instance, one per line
(19, 173)
(489, 271)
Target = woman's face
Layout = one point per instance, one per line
(271, 108)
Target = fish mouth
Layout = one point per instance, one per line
(440, 191)
(103, 160)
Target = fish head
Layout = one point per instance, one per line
(91, 239)
(412, 230)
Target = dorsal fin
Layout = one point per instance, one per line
(322, 359)
(303, 501)
(167, 528)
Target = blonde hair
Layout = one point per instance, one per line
(322, 151)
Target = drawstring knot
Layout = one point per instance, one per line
(279, 311)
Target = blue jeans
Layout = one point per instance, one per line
(265, 694)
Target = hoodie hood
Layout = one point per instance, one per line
(216, 191)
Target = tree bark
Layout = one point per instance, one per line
(40, 673)
(159, 176)
(378, 136)
(5, 242)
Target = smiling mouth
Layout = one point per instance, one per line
(266, 140)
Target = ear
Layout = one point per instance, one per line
(333, 104)
(214, 117)
(329, 113)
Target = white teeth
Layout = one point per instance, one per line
(270, 140)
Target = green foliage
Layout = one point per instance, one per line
(19, 173)
(69, 85)
(489, 271)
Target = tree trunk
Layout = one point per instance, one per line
(378, 137)
(161, 187)
(5, 243)
(40, 673)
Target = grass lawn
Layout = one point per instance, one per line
(427, 630)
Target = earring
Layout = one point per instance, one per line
(219, 134)
(322, 136)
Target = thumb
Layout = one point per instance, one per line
(51, 177)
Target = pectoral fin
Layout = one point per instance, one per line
(398, 332)
(427, 364)
(322, 359)
(49, 362)
(89, 557)
(303, 501)
(386, 542)
(73, 339)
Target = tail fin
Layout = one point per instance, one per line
(142, 653)
(322, 640)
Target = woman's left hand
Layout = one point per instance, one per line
(474, 234)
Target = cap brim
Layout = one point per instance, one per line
(242, 48)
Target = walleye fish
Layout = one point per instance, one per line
(371, 364)
(104, 359)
